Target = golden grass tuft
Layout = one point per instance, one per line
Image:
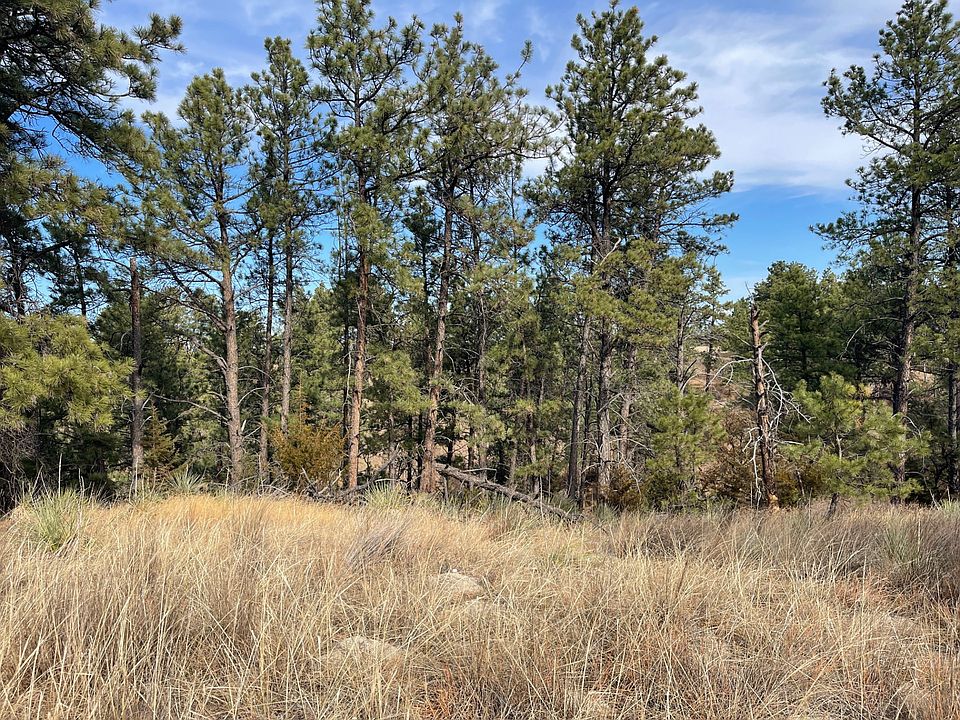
(255, 608)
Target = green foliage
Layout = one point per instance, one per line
(61, 64)
(627, 116)
(54, 362)
(290, 168)
(845, 442)
(572, 324)
(53, 520)
(361, 79)
(686, 433)
(905, 106)
(804, 320)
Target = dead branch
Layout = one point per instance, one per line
(472, 480)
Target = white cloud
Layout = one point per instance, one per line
(483, 21)
(485, 12)
(760, 78)
(541, 29)
(760, 72)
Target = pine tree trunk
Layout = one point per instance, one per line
(266, 368)
(477, 456)
(15, 280)
(230, 363)
(709, 361)
(452, 437)
(534, 437)
(680, 358)
(411, 444)
(904, 342)
(953, 462)
(428, 480)
(604, 435)
(573, 455)
(136, 413)
(231, 376)
(953, 265)
(764, 434)
(359, 367)
(287, 379)
(627, 407)
(348, 357)
(81, 284)
(587, 443)
(391, 448)
(604, 241)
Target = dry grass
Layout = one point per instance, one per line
(203, 607)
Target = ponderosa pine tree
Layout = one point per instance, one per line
(288, 177)
(801, 307)
(53, 364)
(194, 189)
(63, 71)
(898, 109)
(632, 174)
(476, 123)
(372, 116)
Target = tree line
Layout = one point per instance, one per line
(379, 259)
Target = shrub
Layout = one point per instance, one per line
(309, 455)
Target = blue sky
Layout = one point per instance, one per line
(760, 65)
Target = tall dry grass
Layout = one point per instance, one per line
(203, 607)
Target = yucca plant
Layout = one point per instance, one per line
(54, 519)
(184, 481)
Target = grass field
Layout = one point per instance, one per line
(254, 608)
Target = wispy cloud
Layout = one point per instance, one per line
(760, 76)
(760, 66)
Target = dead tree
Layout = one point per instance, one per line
(765, 441)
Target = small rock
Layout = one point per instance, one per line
(456, 586)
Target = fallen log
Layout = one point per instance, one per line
(471, 480)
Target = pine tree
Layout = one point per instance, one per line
(633, 176)
(475, 123)
(194, 191)
(287, 177)
(361, 71)
(284, 106)
(802, 310)
(899, 109)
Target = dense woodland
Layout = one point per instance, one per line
(380, 260)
